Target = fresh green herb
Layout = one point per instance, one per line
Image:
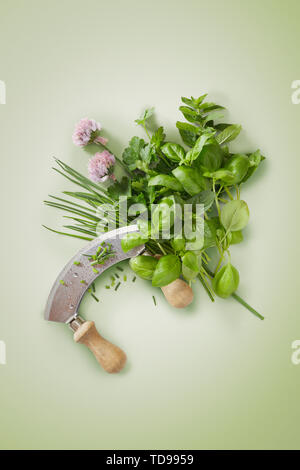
(77, 263)
(154, 300)
(117, 286)
(62, 282)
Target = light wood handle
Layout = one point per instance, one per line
(179, 294)
(109, 356)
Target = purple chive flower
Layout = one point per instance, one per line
(100, 167)
(86, 132)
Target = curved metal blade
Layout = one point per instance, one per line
(68, 289)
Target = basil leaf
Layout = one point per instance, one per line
(234, 215)
(228, 134)
(236, 237)
(211, 157)
(254, 161)
(226, 281)
(168, 269)
(174, 152)
(238, 165)
(222, 174)
(143, 266)
(131, 240)
(165, 214)
(132, 153)
(178, 244)
(190, 178)
(206, 198)
(190, 265)
(167, 181)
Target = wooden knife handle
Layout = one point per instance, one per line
(109, 356)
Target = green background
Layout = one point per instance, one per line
(212, 376)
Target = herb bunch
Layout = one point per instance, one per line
(199, 170)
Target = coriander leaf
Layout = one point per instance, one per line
(158, 137)
(132, 153)
(146, 115)
(121, 188)
(147, 153)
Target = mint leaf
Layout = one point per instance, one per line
(228, 134)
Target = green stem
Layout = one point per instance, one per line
(216, 198)
(251, 309)
(228, 193)
(203, 282)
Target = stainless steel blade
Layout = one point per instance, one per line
(68, 290)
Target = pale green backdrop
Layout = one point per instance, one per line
(212, 376)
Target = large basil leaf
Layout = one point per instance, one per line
(190, 265)
(165, 214)
(131, 240)
(167, 270)
(190, 178)
(206, 198)
(167, 181)
(174, 152)
(143, 266)
(238, 165)
(234, 215)
(211, 157)
(226, 281)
